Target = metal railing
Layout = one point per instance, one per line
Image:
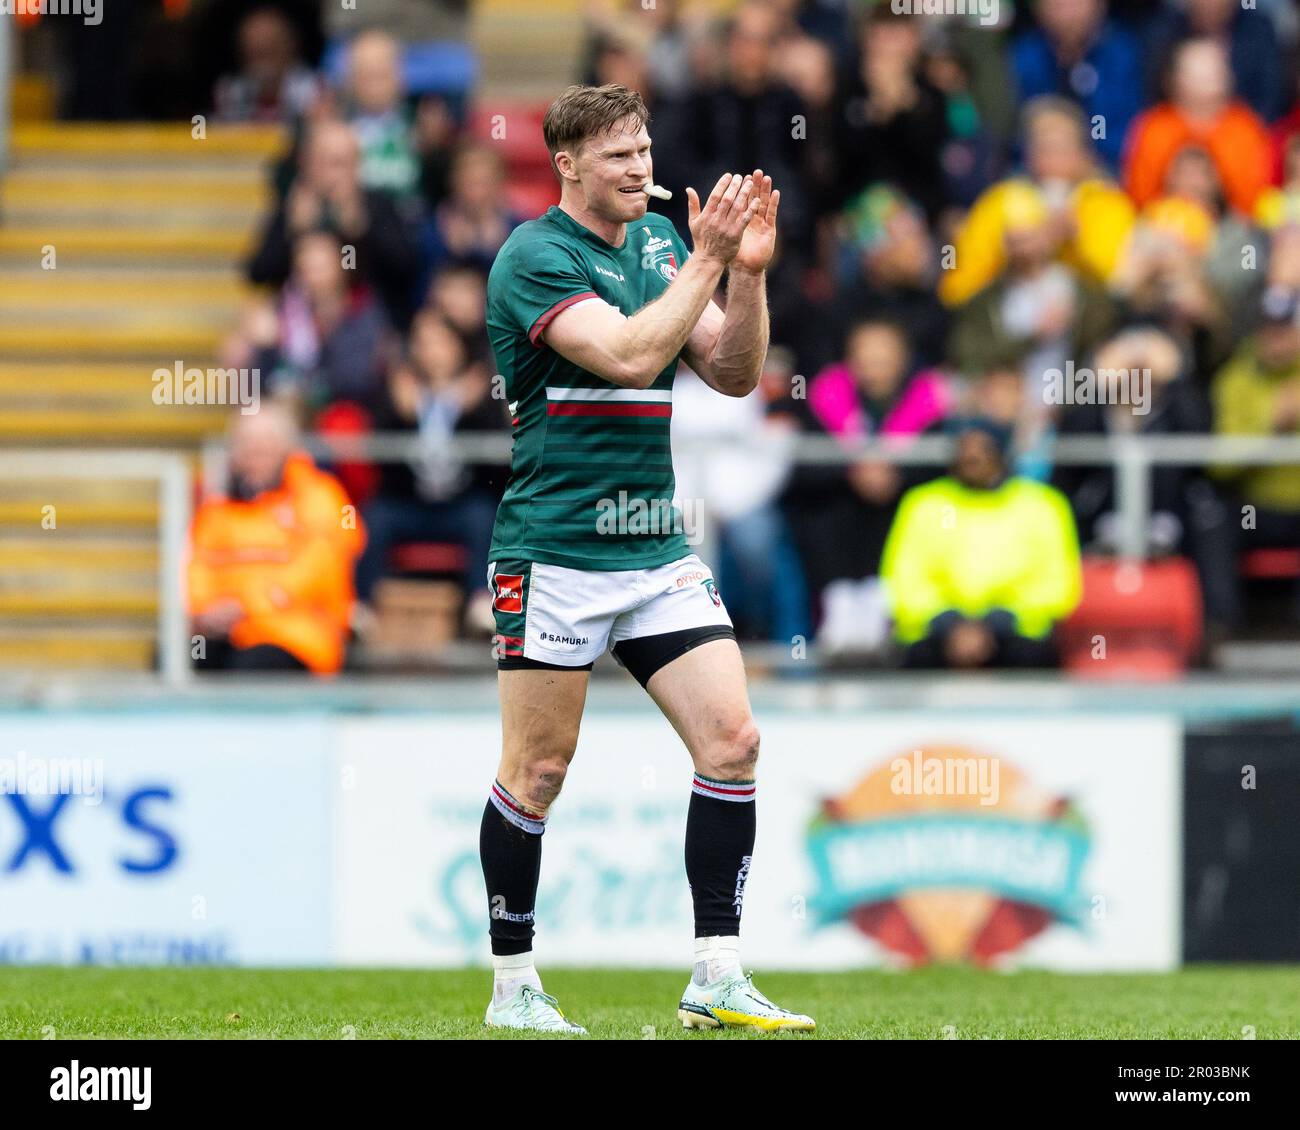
(1133, 457)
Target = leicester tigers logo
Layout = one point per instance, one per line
(711, 587)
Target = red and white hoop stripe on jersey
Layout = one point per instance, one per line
(608, 402)
(736, 791)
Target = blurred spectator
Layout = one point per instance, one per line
(979, 567)
(1038, 313)
(1090, 215)
(326, 195)
(1200, 110)
(472, 223)
(1285, 133)
(270, 573)
(655, 41)
(436, 393)
(972, 156)
(323, 339)
(743, 120)
(1280, 206)
(1194, 176)
(459, 294)
(733, 458)
(871, 391)
(1077, 52)
(1188, 515)
(1258, 393)
(1249, 39)
(1284, 257)
(888, 269)
(844, 513)
(807, 66)
(893, 123)
(272, 83)
(1164, 280)
(376, 110)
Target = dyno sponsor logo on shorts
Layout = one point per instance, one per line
(510, 592)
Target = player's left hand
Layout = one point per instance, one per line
(758, 243)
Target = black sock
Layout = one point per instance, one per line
(510, 849)
(719, 846)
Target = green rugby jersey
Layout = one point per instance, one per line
(591, 477)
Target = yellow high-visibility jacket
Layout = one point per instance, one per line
(971, 551)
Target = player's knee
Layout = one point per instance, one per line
(733, 755)
(542, 781)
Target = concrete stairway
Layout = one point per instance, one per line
(120, 252)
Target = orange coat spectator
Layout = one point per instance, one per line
(286, 556)
(1237, 140)
(1201, 112)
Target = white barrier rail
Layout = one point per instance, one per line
(1132, 457)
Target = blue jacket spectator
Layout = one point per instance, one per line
(1094, 63)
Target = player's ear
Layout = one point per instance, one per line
(566, 165)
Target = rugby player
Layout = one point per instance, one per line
(589, 309)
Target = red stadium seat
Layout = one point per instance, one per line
(1270, 564)
(515, 128)
(1134, 621)
(428, 557)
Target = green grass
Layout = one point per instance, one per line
(1204, 1002)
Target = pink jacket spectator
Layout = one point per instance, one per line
(835, 401)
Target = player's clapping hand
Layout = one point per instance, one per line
(758, 244)
(718, 227)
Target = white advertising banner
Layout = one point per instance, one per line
(1049, 842)
(163, 840)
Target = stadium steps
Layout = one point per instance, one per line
(149, 227)
(528, 50)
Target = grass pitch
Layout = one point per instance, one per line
(1203, 1002)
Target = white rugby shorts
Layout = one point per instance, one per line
(569, 617)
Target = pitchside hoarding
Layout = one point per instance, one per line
(1050, 842)
(148, 840)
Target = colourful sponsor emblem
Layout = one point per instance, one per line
(510, 592)
(949, 854)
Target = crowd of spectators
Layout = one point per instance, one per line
(965, 210)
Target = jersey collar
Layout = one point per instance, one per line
(558, 215)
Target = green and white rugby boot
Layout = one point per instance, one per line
(733, 1002)
(533, 1009)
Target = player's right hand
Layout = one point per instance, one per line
(717, 227)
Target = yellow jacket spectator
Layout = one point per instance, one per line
(1090, 215)
(978, 567)
(1095, 219)
(1258, 394)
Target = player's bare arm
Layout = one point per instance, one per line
(727, 349)
(633, 351)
